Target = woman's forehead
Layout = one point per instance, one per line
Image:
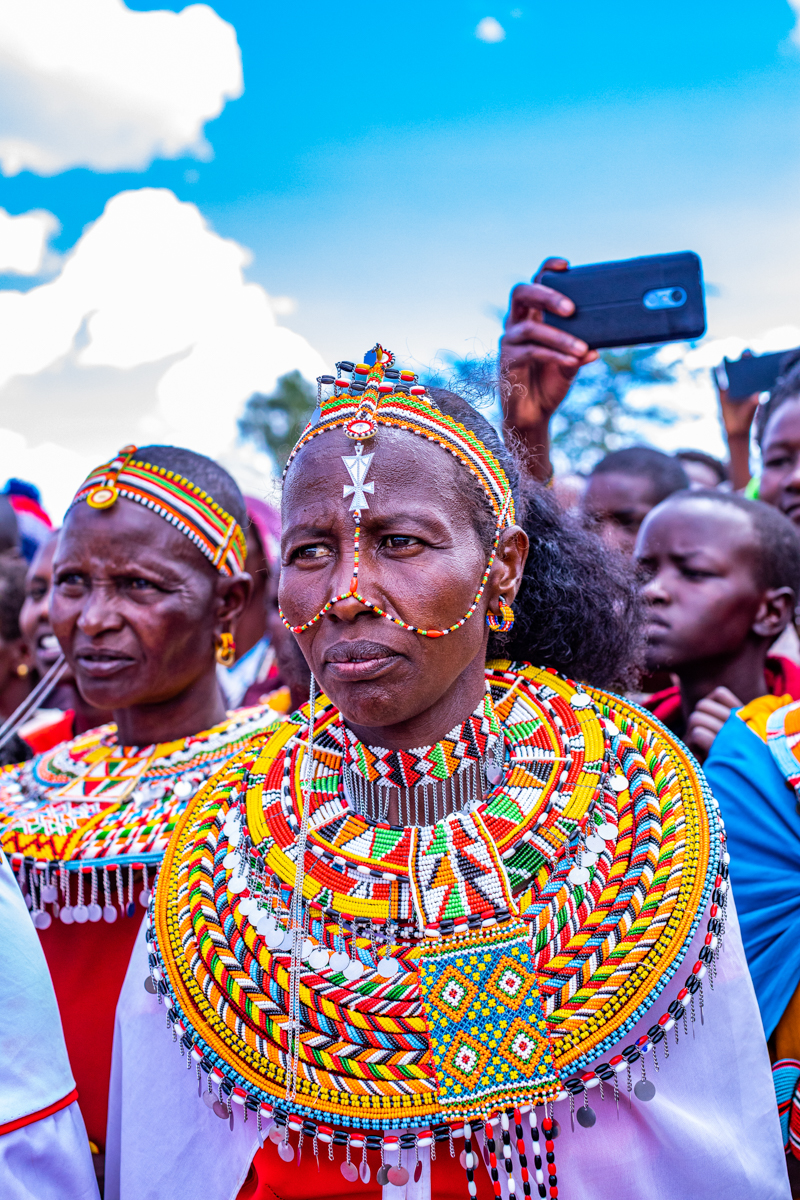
(126, 531)
(784, 425)
(398, 465)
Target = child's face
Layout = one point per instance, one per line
(780, 455)
(698, 559)
(615, 504)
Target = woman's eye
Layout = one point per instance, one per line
(70, 579)
(137, 584)
(308, 553)
(776, 461)
(400, 541)
(37, 592)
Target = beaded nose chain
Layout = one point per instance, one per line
(378, 394)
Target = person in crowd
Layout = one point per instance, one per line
(9, 527)
(44, 1151)
(35, 526)
(443, 893)
(624, 487)
(63, 712)
(148, 584)
(703, 470)
(252, 671)
(721, 579)
(15, 659)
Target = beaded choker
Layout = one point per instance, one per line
(192, 511)
(421, 785)
(455, 977)
(378, 394)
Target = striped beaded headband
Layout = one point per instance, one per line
(192, 511)
(379, 394)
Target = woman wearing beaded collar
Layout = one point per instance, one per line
(148, 579)
(449, 896)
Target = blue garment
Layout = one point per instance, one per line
(763, 827)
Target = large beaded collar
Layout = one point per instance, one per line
(83, 822)
(477, 966)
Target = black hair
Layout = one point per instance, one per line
(12, 594)
(716, 465)
(786, 387)
(777, 563)
(203, 472)
(666, 474)
(577, 609)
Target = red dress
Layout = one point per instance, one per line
(270, 1178)
(782, 675)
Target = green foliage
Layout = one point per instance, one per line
(599, 415)
(275, 422)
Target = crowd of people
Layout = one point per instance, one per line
(384, 805)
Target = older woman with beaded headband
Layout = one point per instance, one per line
(405, 934)
(148, 583)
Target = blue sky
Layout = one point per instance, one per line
(395, 176)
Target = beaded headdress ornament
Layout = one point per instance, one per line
(192, 511)
(372, 393)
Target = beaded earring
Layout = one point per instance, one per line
(225, 650)
(504, 622)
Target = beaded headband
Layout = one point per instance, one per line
(376, 393)
(192, 511)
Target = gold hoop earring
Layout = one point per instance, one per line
(225, 650)
(22, 670)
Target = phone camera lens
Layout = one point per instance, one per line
(676, 296)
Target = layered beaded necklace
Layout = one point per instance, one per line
(451, 977)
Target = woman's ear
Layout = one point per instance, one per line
(775, 612)
(509, 564)
(233, 593)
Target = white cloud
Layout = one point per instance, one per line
(795, 34)
(23, 241)
(90, 83)
(148, 283)
(489, 30)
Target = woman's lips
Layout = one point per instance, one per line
(101, 666)
(354, 661)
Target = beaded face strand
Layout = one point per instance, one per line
(379, 401)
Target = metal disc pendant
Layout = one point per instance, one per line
(49, 893)
(306, 948)
(66, 915)
(286, 1151)
(274, 936)
(81, 913)
(220, 1109)
(398, 1176)
(110, 914)
(588, 859)
(354, 969)
(350, 1171)
(364, 1172)
(607, 831)
(237, 884)
(618, 784)
(382, 1177)
(246, 905)
(41, 919)
(388, 967)
(555, 1131)
(144, 897)
(149, 985)
(275, 1134)
(494, 773)
(209, 1099)
(595, 844)
(230, 860)
(339, 960)
(95, 912)
(586, 1117)
(644, 1090)
(417, 1172)
(578, 875)
(318, 958)
(285, 942)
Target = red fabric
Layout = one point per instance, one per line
(27, 505)
(48, 736)
(88, 964)
(40, 1115)
(782, 676)
(270, 1178)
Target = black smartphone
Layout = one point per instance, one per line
(752, 373)
(633, 302)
